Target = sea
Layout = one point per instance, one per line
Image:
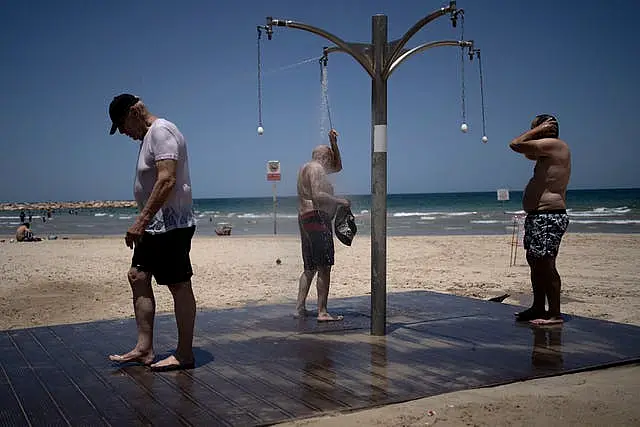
(590, 211)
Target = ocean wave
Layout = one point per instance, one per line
(252, 215)
(460, 213)
(10, 224)
(100, 214)
(600, 212)
(428, 218)
(421, 214)
(125, 217)
(486, 221)
(9, 217)
(265, 215)
(206, 213)
(605, 221)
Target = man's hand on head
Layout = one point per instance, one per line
(333, 135)
(548, 128)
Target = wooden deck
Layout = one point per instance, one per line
(259, 366)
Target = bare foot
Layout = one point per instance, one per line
(301, 313)
(134, 356)
(171, 363)
(326, 317)
(555, 320)
(530, 314)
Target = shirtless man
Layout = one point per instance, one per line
(24, 234)
(544, 201)
(316, 209)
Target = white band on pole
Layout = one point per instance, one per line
(380, 139)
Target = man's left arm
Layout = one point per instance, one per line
(165, 182)
(534, 143)
(165, 148)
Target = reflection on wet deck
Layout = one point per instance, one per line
(259, 366)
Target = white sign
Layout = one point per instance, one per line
(273, 170)
(520, 219)
(503, 194)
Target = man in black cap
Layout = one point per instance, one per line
(161, 234)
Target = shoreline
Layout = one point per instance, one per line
(361, 235)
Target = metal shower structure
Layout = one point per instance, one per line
(380, 59)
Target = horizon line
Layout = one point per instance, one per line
(293, 195)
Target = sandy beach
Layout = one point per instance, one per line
(83, 279)
(77, 280)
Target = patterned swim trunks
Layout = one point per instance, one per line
(543, 231)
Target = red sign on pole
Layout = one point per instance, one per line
(273, 170)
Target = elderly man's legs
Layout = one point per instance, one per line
(304, 284)
(184, 304)
(144, 306)
(322, 285)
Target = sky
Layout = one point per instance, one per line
(195, 64)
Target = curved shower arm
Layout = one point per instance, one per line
(423, 47)
(344, 46)
(416, 27)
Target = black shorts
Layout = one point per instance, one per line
(165, 255)
(317, 240)
(543, 231)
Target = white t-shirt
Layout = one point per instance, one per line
(164, 141)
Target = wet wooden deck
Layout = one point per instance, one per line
(259, 366)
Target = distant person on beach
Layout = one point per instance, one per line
(24, 234)
(544, 201)
(22, 217)
(316, 209)
(161, 234)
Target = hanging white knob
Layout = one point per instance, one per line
(260, 130)
(485, 139)
(464, 127)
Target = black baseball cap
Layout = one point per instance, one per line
(119, 108)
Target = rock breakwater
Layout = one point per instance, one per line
(43, 206)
